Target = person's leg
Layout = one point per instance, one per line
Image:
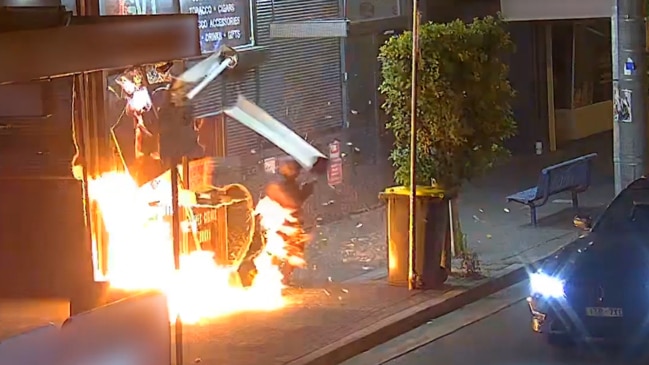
(295, 247)
(287, 273)
(247, 270)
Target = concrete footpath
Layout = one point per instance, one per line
(448, 325)
(345, 307)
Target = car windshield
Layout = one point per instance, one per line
(629, 211)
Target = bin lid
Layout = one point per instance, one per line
(429, 191)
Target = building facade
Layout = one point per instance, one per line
(313, 65)
(561, 69)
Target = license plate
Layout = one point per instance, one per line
(603, 312)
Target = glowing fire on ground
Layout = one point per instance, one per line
(140, 255)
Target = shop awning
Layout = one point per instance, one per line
(95, 43)
(336, 27)
(528, 10)
(309, 28)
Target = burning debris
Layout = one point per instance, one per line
(141, 258)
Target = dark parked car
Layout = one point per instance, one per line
(597, 288)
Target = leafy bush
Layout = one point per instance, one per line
(463, 104)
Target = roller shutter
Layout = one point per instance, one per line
(241, 140)
(301, 82)
(209, 100)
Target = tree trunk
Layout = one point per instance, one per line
(458, 244)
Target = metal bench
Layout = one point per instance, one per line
(573, 175)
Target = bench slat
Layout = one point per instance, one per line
(525, 196)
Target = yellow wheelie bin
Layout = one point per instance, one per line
(432, 247)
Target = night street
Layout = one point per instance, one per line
(502, 338)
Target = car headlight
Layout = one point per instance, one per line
(546, 286)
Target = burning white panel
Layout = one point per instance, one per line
(255, 118)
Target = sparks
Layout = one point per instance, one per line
(140, 254)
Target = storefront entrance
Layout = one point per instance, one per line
(582, 74)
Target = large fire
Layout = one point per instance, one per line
(140, 254)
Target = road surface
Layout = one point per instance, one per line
(502, 337)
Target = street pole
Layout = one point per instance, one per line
(412, 268)
(176, 233)
(628, 45)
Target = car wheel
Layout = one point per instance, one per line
(559, 340)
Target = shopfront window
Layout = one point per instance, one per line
(593, 72)
(562, 64)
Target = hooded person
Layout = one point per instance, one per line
(288, 192)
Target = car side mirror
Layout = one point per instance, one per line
(584, 223)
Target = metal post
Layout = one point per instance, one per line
(412, 269)
(221, 233)
(549, 79)
(175, 221)
(185, 184)
(629, 91)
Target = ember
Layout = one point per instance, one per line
(140, 255)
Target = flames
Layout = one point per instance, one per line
(140, 254)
